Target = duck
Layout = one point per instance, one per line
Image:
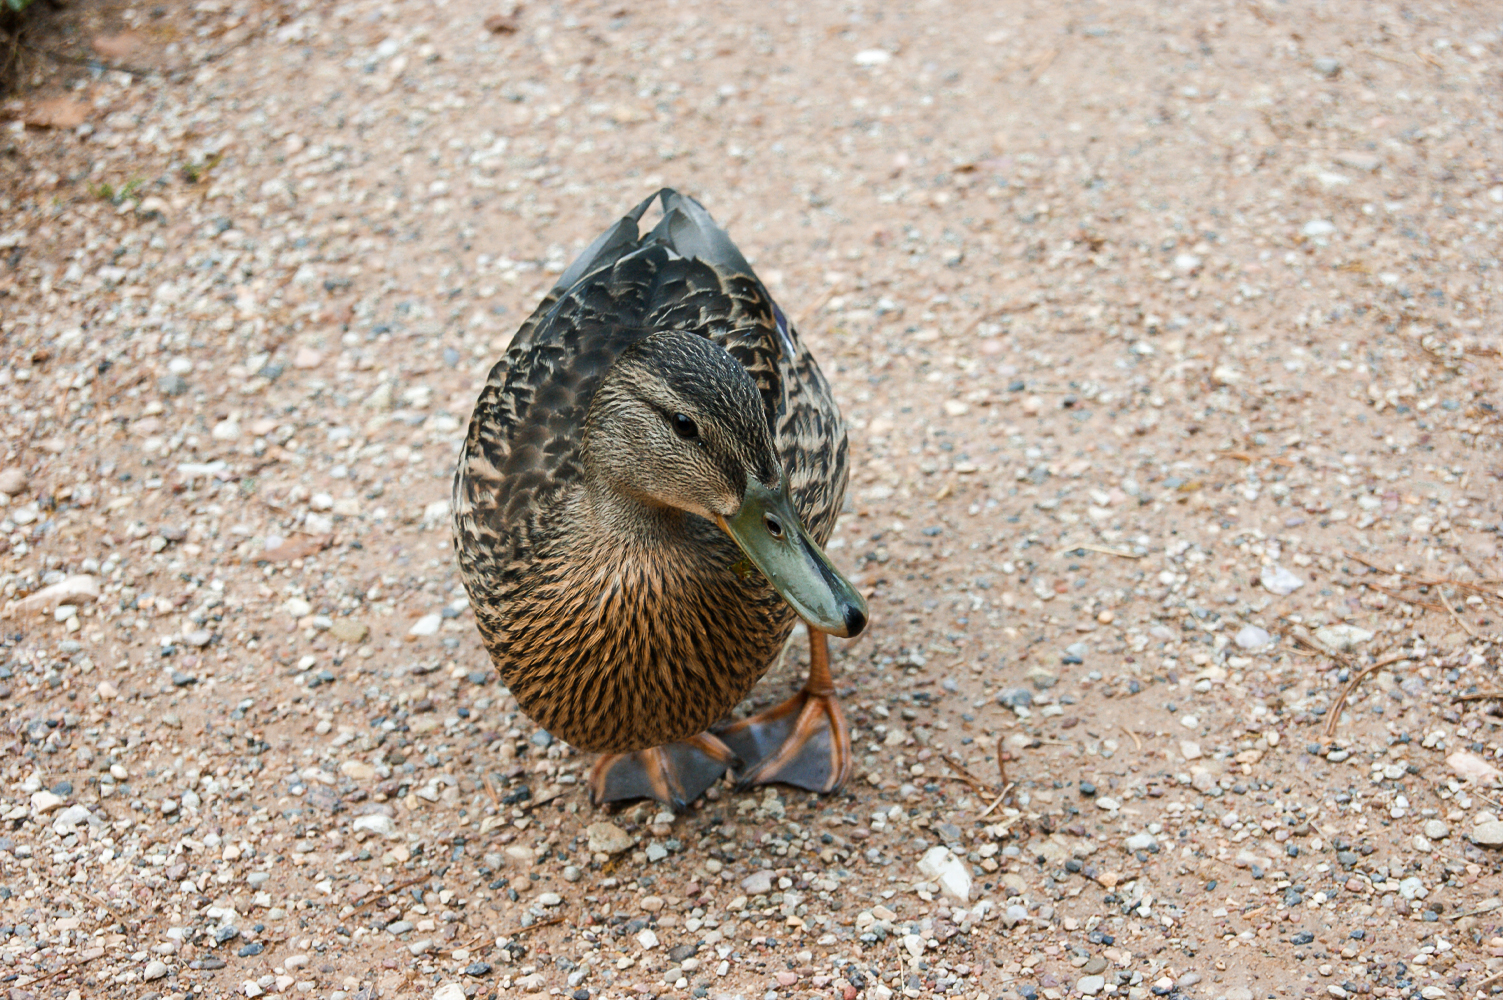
(641, 506)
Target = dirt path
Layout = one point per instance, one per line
(1142, 316)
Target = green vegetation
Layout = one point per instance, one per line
(107, 192)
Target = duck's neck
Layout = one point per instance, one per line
(612, 517)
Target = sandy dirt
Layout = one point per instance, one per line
(1169, 338)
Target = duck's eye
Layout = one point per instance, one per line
(774, 527)
(684, 427)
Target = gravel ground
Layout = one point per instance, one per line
(1169, 335)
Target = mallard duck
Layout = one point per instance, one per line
(648, 480)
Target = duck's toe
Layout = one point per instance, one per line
(674, 773)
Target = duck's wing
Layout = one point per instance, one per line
(716, 292)
(686, 274)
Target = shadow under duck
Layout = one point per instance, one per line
(649, 477)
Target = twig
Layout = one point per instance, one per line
(1487, 906)
(995, 802)
(1351, 685)
(388, 892)
(807, 316)
(1459, 620)
(88, 63)
(1399, 596)
(962, 774)
(1479, 696)
(541, 923)
(1119, 553)
(1137, 743)
(65, 970)
(1475, 588)
(1042, 66)
(1248, 457)
(1388, 58)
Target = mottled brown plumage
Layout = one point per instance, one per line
(620, 623)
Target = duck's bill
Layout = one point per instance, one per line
(771, 534)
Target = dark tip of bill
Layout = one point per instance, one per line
(855, 621)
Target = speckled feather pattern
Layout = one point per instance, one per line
(610, 646)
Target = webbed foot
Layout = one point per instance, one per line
(802, 742)
(674, 773)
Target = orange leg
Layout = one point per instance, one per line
(803, 741)
(674, 773)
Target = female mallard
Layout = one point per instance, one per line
(648, 480)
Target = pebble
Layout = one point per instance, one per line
(12, 481)
(348, 630)
(1252, 637)
(1090, 985)
(758, 883)
(426, 625)
(1327, 67)
(1141, 842)
(1488, 834)
(549, 899)
(1412, 888)
(607, 838)
(1189, 749)
(952, 874)
(155, 969)
(376, 823)
(359, 770)
(454, 991)
(1015, 914)
(1278, 580)
(1437, 829)
(44, 802)
(1342, 637)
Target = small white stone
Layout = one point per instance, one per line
(1278, 580)
(941, 864)
(297, 607)
(376, 823)
(1189, 749)
(1252, 637)
(44, 802)
(426, 625)
(226, 430)
(549, 899)
(1318, 229)
(873, 57)
(1412, 888)
(155, 969)
(647, 939)
(1342, 637)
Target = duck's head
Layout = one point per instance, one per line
(678, 423)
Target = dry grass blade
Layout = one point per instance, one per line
(538, 926)
(1335, 714)
(1479, 696)
(388, 892)
(1459, 620)
(961, 774)
(1119, 553)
